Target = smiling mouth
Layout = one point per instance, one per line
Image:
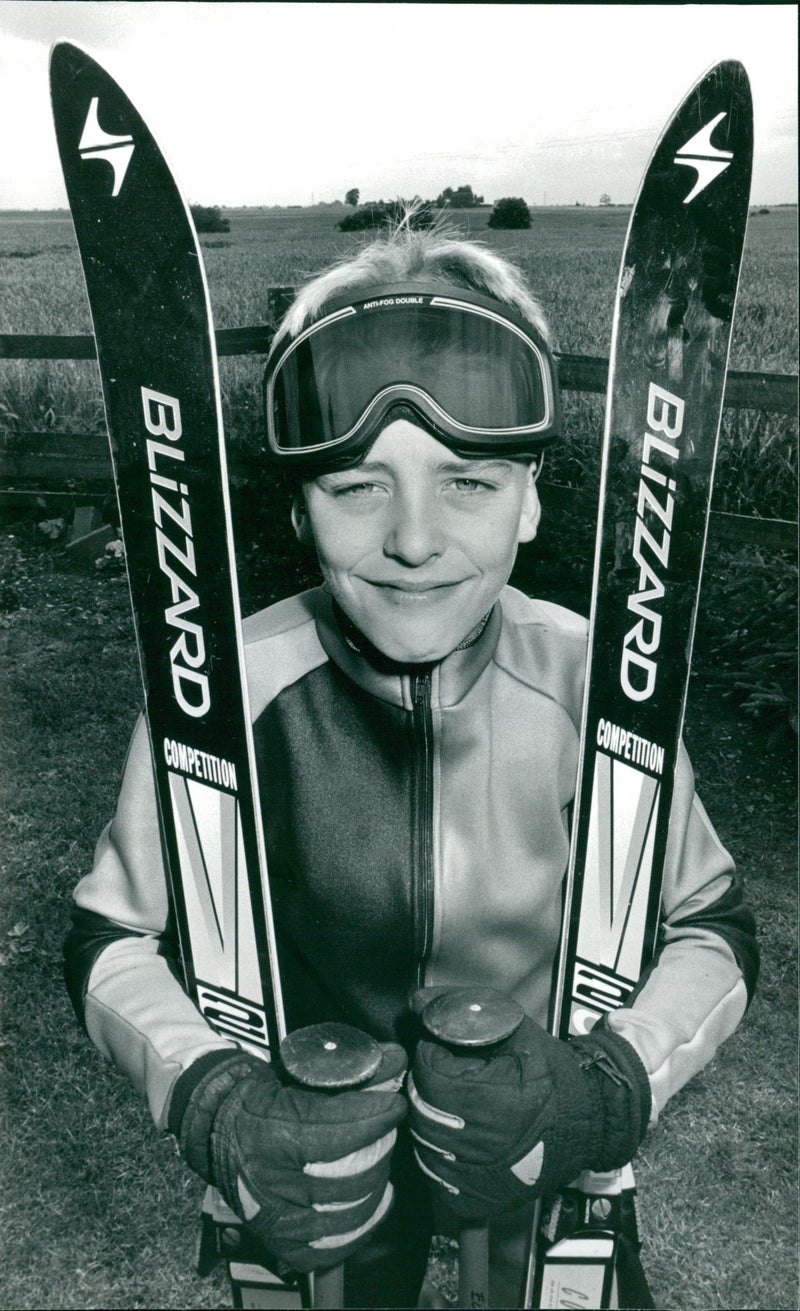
(414, 589)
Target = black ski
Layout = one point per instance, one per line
(156, 350)
(670, 343)
(155, 343)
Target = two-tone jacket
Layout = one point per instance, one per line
(417, 826)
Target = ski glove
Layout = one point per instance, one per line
(497, 1130)
(307, 1171)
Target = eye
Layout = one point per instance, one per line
(470, 486)
(355, 490)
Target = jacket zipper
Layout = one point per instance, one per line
(422, 721)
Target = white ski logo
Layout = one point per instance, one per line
(97, 144)
(707, 161)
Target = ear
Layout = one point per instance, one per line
(301, 521)
(531, 511)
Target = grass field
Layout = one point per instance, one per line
(571, 256)
(97, 1210)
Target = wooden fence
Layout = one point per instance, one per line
(59, 470)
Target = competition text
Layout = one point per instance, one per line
(629, 746)
(200, 764)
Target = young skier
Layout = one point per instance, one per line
(416, 724)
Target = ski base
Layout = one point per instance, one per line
(580, 1272)
(223, 1237)
(581, 1240)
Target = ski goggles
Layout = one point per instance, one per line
(477, 374)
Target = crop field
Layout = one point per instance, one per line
(571, 256)
(98, 1210)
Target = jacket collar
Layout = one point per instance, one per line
(391, 681)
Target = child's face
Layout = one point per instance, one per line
(416, 543)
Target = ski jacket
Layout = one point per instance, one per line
(417, 827)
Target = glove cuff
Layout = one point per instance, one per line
(188, 1080)
(622, 1086)
(197, 1097)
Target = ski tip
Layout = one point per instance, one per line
(726, 73)
(112, 161)
(725, 85)
(69, 63)
(66, 56)
(731, 68)
(707, 140)
(728, 66)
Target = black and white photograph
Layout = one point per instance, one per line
(398, 655)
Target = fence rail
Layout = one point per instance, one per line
(56, 470)
(52, 469)
(744, 390)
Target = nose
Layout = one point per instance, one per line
(414, 534)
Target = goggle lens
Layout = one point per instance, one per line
(480, 374)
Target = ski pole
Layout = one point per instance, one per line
(330, 1057)
(472, 1017)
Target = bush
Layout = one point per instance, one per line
(510, 212)
(459, 198)
(208, 218)
(381, 215)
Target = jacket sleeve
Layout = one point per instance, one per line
(121, 954)
(700, 982)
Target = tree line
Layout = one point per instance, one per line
(509, 212)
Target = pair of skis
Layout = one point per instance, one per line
(155, 343)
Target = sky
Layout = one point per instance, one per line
(286, 103)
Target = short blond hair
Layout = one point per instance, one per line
(407, 254)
